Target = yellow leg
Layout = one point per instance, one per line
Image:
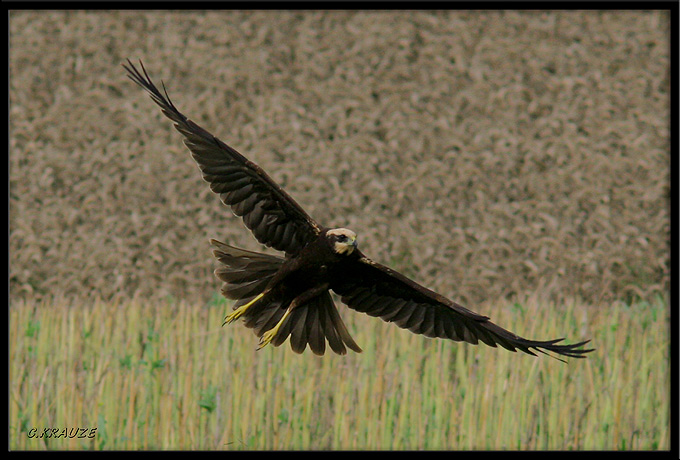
(268, 336)
(236, 314)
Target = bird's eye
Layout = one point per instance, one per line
(342, 238)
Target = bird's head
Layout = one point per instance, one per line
(343, 241)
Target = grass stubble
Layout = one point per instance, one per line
(165, 375)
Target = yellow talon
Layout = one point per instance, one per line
(268, 336)
(236, 314)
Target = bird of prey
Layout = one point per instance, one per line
(287, 296)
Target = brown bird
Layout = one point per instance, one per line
(290, 296)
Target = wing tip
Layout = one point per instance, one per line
(572, 350)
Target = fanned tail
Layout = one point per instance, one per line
(246, 274)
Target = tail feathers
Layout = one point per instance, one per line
(246, 274)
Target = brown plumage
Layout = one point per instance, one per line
(287, 296)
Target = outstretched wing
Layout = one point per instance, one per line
(275, 219)
(376, 290)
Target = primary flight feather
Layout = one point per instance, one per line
(281, 297)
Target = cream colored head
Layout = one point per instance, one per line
(342, 240)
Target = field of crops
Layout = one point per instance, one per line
(499, 153)
(167, 376)
(489, 155)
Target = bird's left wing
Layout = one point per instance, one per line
(372, 288)
(275, 219)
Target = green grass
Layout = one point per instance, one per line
(165, 375)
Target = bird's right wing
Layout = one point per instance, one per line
(372, 288)
(275, 219)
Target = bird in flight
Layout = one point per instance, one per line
(287, 296)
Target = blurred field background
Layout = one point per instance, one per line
(164, 376)
(489, 155)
